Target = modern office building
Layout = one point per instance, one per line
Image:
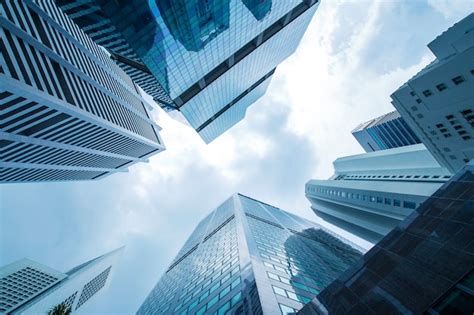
(385, 132)
(424, 266)
(438, 102)
(92, 20)
(213, 58)
(371, 193)
(28, 287)
(68, 112)
(247, 257)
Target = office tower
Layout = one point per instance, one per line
(385, 132)
(438, 102)
(90, 18)
(68, 111)
(424, 266)
(371, 193)
(32, 288)
(247, 257)
(213, 58)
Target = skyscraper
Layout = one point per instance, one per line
(32, 288)
(438, 102)
(424, 266)
(68, 111)
(385, 132)
(371, 193)
(213, 58)
(252, 258)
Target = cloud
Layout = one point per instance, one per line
(452, 9)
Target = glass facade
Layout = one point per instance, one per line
(207, 54)
(248, 257)
(385, 132)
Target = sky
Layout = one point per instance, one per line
(352, 57)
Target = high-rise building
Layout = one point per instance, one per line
(247, 257)
(28, 287)
(385, 132)
(424, 266)
(371, 193)
(68, 112)
(213, 58)
(438, 102)
(92, 20)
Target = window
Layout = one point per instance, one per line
(236, 299)
(286, 310)
(212, 302)
(396, 202)
(409, 205)
(412, 93)
(379, 199)
(279, 291)
(224, 308)
(388, 201)
(418, 101)
(372, 199)
(441, 87)
(458, 80)
(427, 93)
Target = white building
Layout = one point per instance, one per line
(371, 193)
(438, 102)
(28, 287)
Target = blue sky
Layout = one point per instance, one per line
(353, 56)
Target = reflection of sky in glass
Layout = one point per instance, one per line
(186, 67)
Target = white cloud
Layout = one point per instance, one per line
(452, 8)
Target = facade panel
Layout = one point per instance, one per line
(68, 112)
(385, 132)
(247, 257)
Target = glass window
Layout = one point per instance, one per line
(235, 283)
(286, 310)
(273, 276)
(236, 299)
(224, 308)
(212, 302)
(224, 292)
(396, 202)
(409, 204)
(379, 199)
(278, 290)
(192, 305)
(388, 201)
(215, 287)
(201, 311)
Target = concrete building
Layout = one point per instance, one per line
(213, 58)
(385, 132)
(247, 257)
(68, 111)
(371, 193)
(424, 266)
(28, 287)
(438, 102)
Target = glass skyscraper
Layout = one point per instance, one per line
(385, 132)
(247, 257)
(213, 58)
(68, 112)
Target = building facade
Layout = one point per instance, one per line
(92, 20)
(247, 257)
(437, 103)
(385, 132)
(32, 288)
(424, 266)
(213, 58)
(68, 111)
(371, 193)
